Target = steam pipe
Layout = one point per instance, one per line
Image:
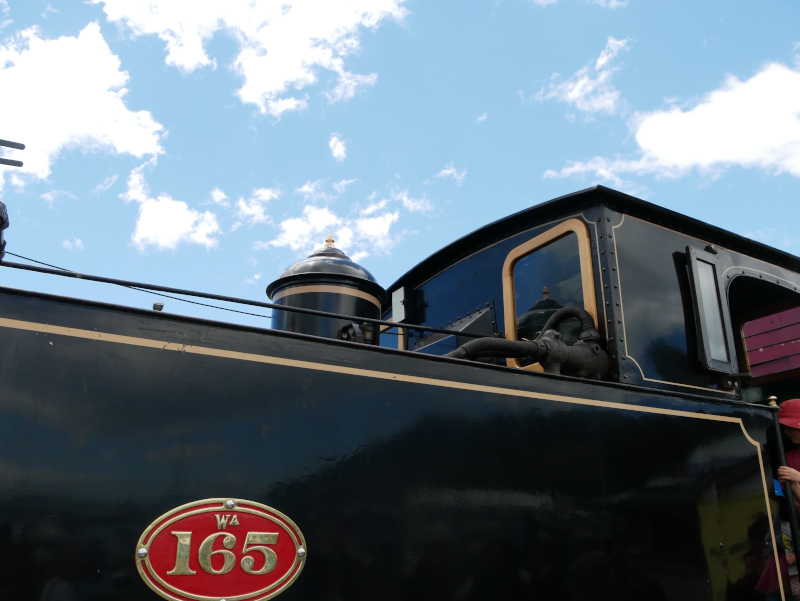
(588, 331)
(584, 359)
(498, 347)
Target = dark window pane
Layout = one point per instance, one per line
(544, 281)
(712, 312)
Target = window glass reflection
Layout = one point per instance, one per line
(712, 312)
(546, 280)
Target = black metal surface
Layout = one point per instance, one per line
(332, 304)
(658, 310)
(10, 162)
(328, 265)
(479, 322)
(331, 270)
(430, 479)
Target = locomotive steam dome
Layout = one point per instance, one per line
(325, 281)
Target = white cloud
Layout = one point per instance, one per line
(450, 172)
(306, 232)
(283, 46)
(589, 89)
(360, 233)
(106, 184)
(314, 191)
(608, 171)
(49, 9)
(253, 210)
(410, 204)
(374, 232)
(219, 197)
(74, 244)
(482, 118)
(4, 6)
(68, 93)
(52, 195)
(375, 206)
(348, 85)
(164, 222)
(253, 280)
(610, 3)
(277, 107)
(753, 123)
(338, 148)
(341, 185)
(359, 236)
(413, 205)
(544, 2)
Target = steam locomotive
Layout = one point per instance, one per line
(562, 404)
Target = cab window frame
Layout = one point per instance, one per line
(710, 300)
(741, 319)
(570, 226)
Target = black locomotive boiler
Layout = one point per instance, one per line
(556, 406)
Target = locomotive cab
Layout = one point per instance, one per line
(674, 299)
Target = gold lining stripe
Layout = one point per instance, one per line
(575, 226)
(212, 352)
(330, 289)
(354, 371)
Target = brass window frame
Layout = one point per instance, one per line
(569, 226)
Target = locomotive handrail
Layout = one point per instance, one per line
(17, 146)
(232, 299)
(787, 487)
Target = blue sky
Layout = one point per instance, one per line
(209, 145)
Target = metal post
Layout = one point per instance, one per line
(787, 486)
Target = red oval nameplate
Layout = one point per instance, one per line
(218, 549)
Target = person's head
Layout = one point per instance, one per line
(792, 434)
(789, 417)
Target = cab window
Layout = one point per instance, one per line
(544, 274)
(546, 280)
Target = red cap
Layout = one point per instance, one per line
(789, 413)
